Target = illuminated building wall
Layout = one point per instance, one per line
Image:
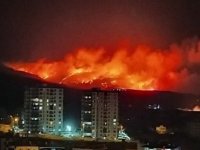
(99, 115)
(43, 110)
(5, 128)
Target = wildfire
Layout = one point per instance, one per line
(139, 68)
(196, 108)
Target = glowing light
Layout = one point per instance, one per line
(161, 129)
(196, 108)
(16, 119)
(140, 68)
(68, 128)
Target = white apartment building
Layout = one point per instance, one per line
(43, 107)
(99, 114)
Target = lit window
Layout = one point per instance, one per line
(35, 100)
(34, 118)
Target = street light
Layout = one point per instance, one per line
(16, 120)
(68, 128)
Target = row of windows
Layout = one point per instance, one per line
(106, 115)
(51, 92)
(53, 112)
(50, 100)
(53, 119)
(52, 127)
(51, 89)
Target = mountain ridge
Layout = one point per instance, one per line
(13, 84)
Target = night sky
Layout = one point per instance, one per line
(55, 31)
(33, 29)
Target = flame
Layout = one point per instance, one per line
(140, 68)
(196, 108)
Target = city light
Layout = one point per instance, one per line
(68, 128)
(106, 75)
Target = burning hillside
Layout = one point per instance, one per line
(140, 68)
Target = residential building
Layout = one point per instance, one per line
(43, 107)
(99, 114)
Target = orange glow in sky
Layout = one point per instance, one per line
(140, 68)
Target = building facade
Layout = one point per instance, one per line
(43, 110)
(99, 114)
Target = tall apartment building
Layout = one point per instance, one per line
(43, 110)
(99, 114)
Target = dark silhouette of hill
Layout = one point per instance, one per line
(13, 83)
